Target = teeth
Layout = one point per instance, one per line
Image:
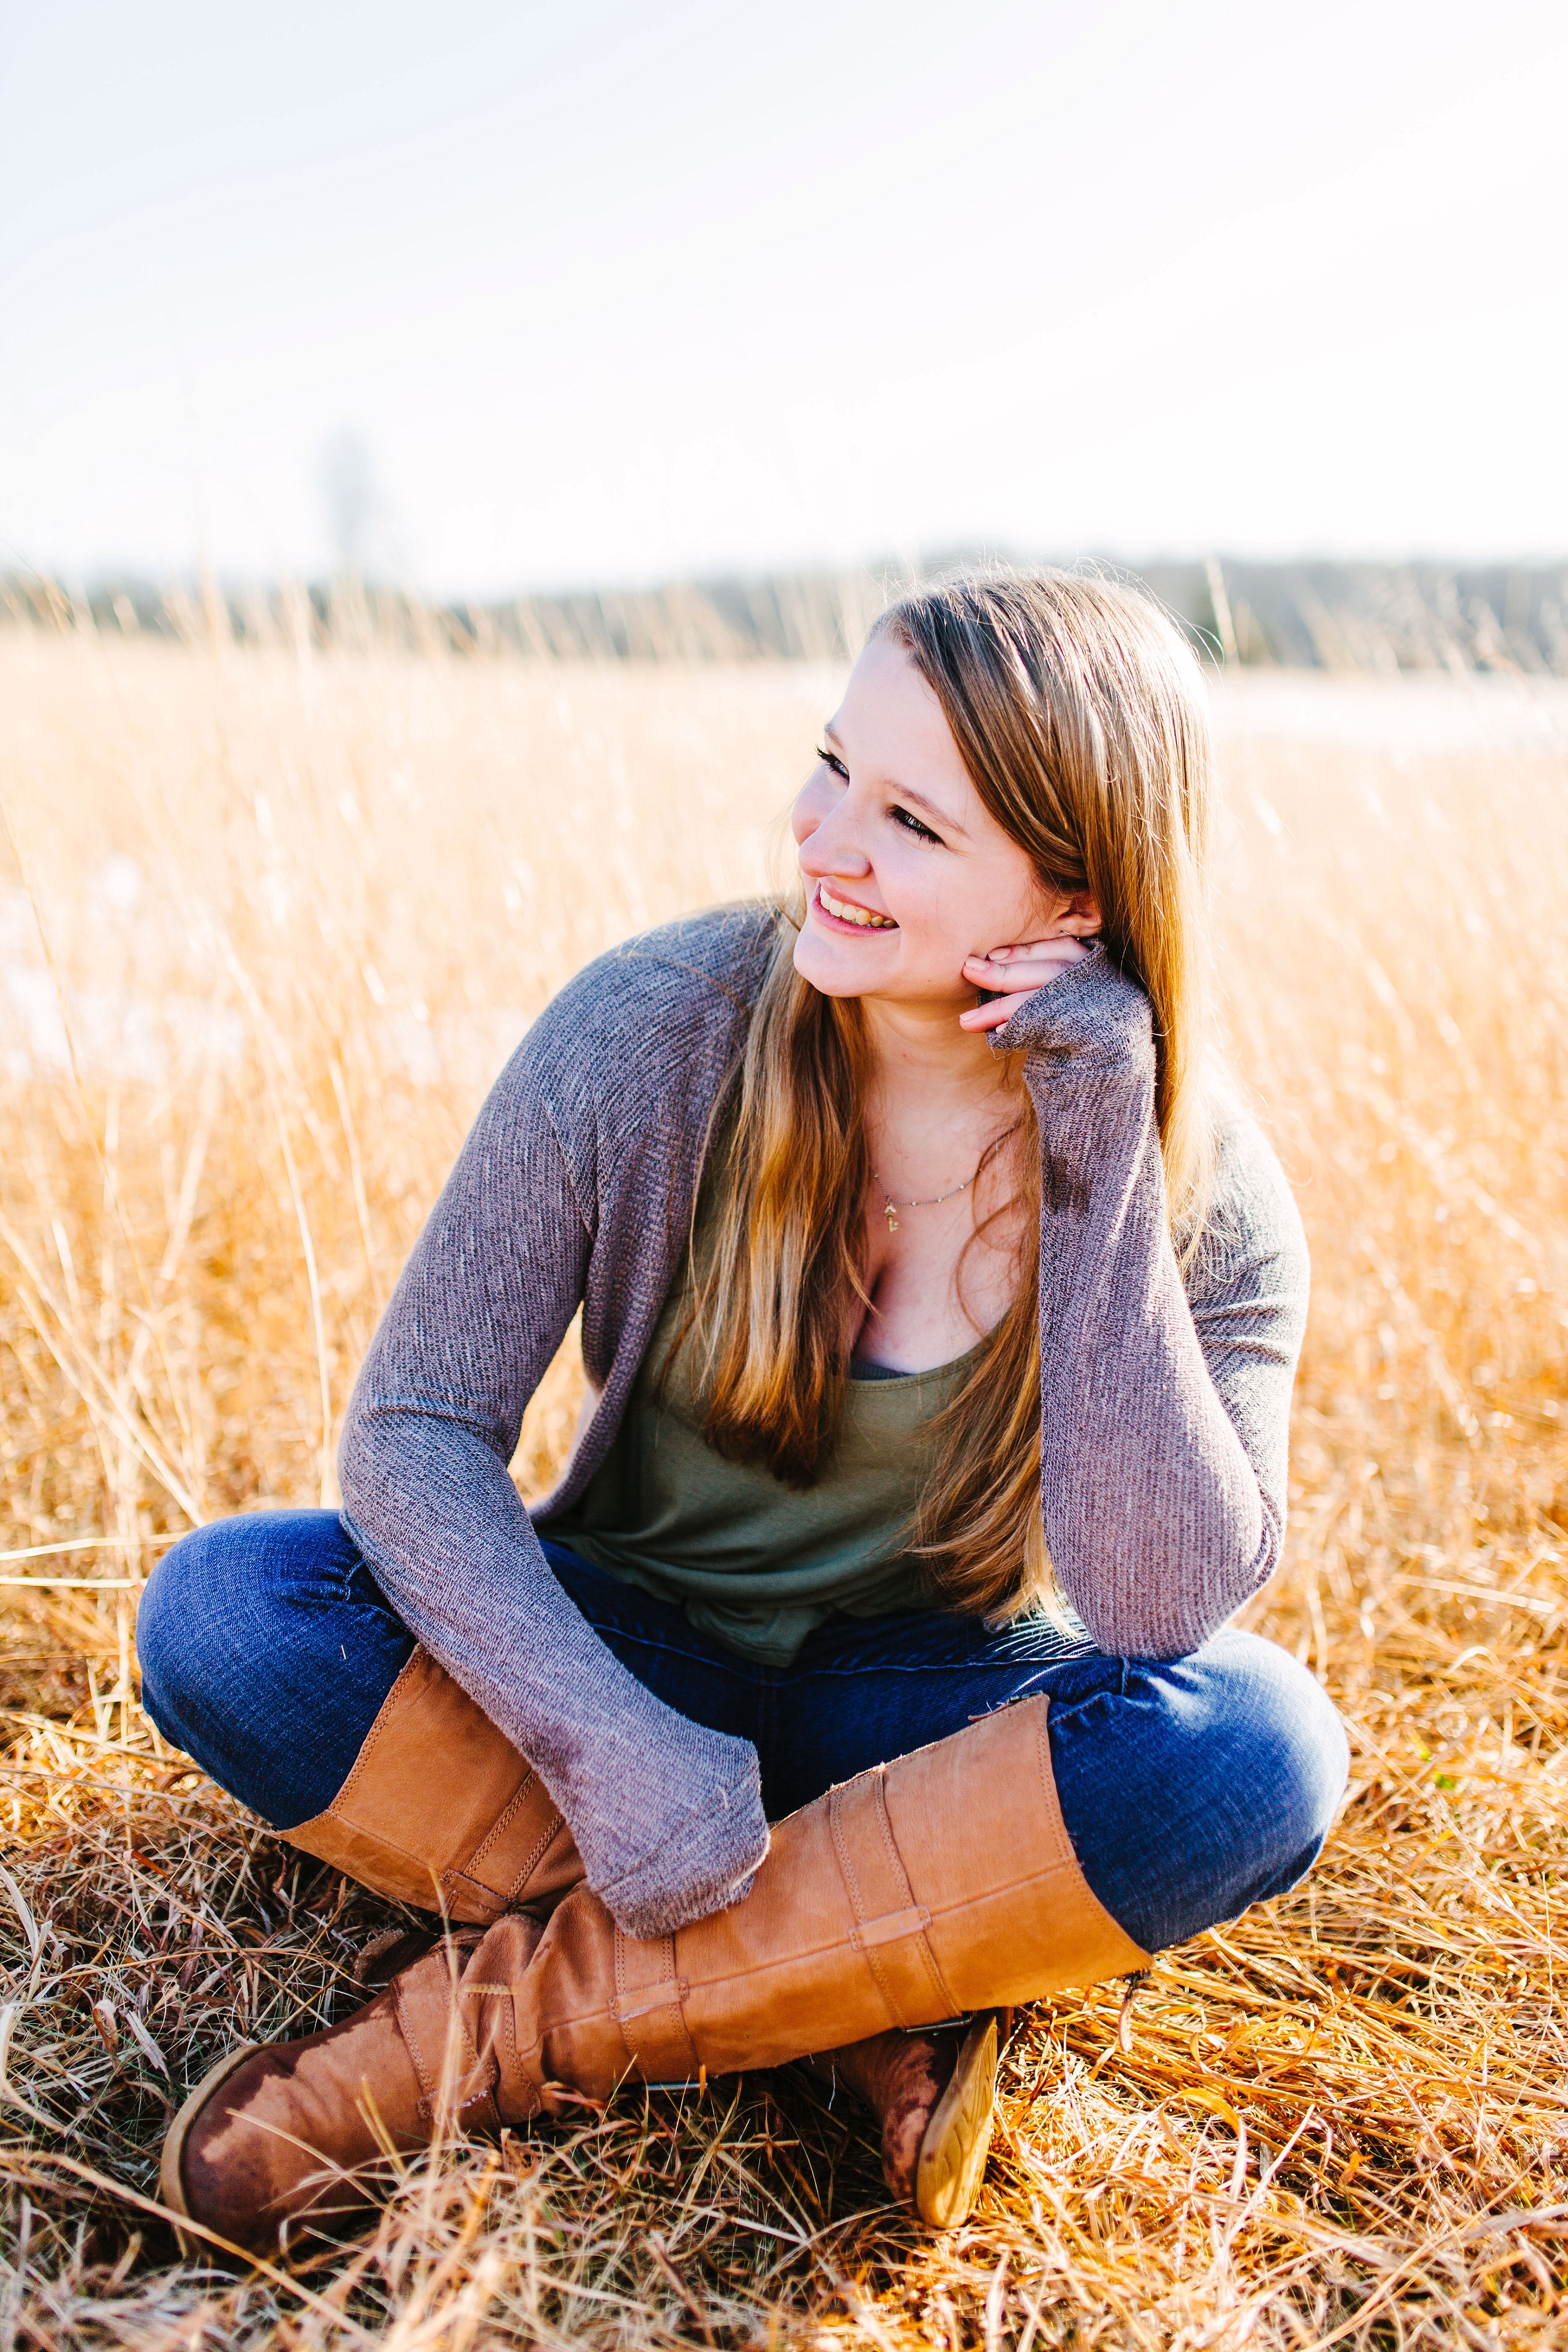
(848, 914)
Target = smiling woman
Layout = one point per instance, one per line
(940, 1318)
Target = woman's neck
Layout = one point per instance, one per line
(924, 1068)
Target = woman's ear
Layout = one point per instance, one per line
(1078, 918)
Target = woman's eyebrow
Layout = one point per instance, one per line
(905, 792)
(948, 823)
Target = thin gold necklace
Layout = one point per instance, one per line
(890, 1206)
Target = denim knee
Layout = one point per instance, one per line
(267, 1649)
(187, 1621)
(1195, 1786)
(220, 1598)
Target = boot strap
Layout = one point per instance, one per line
(457, 2084)
(889, 1930)
(647, 2007)
(511, 1859)
(890, 1934)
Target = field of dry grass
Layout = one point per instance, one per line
(268, 928)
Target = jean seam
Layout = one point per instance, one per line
(1005, 1666)
(742, 1669)
(768, 1677)
(1065, 1712)
(350, 1572)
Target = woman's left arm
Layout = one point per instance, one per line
(1164, 1404)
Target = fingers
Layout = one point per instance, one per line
(1028, 972)
(1024, 967)
(1019, 970)
(993, 1015)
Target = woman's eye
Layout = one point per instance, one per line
(831, 760)
(913, 824)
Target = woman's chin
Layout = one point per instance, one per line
(837, 967)
(859, 973)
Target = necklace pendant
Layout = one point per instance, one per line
(892, 1220)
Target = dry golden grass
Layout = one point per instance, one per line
(271, 930)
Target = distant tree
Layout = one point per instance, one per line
(351, 497)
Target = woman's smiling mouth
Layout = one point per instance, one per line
(844, 911)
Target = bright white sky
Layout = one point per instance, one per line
(621, 289)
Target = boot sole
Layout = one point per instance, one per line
(171, 2186)
(958, 2138)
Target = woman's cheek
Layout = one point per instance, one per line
(930, 936)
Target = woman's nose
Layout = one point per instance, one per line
(830, 848)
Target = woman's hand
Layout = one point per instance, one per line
(1017, 972)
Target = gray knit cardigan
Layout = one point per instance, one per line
(1165, 1400)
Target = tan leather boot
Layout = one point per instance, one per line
(930, 1887)
(939, 1884)
(301, 2128)
(440, 1807)
(442, 1812)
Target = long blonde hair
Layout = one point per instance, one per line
(1078, 712)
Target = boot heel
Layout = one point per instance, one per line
(958, 2136)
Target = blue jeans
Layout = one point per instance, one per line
(1190, 1788)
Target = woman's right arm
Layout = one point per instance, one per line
(667, 1815)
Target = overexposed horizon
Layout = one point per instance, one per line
(616, 294)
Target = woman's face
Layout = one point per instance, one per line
(906, 870)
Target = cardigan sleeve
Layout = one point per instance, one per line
(667, 1815)
(1165, 1401)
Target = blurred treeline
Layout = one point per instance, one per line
(1377, 617)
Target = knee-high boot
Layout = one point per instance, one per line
(936, 1885)
(440, 1809)
(945, 1883)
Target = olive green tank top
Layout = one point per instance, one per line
(756, 1563)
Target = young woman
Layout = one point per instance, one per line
(939, 1319)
